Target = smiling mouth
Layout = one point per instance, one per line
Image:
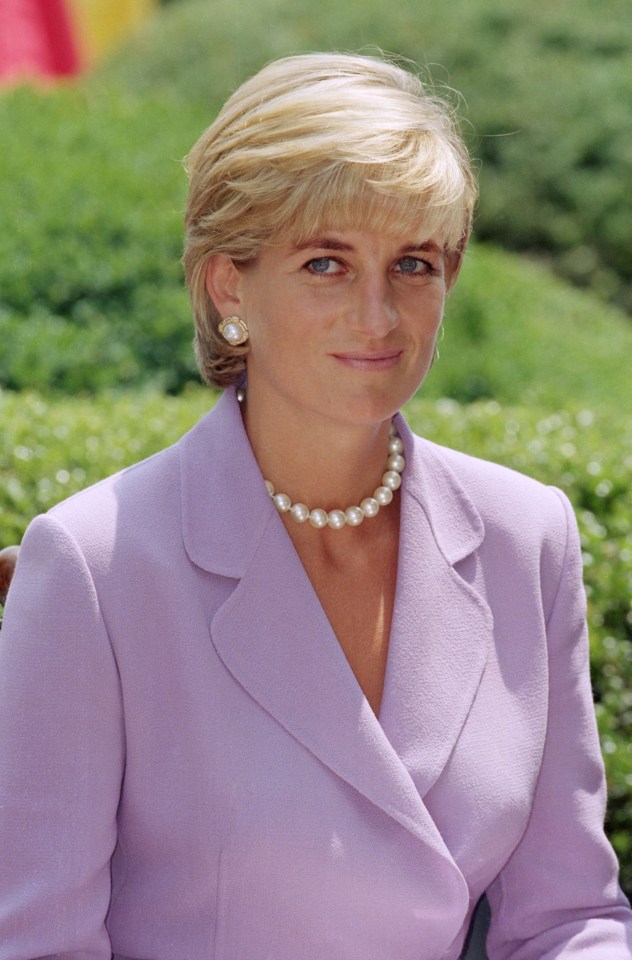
(369, 360)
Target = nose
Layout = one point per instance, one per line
(375, 312)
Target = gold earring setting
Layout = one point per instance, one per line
(234, 330)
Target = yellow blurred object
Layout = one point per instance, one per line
(100, 24)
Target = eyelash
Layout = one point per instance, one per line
(425, 263)
(309, 266)
(320, 273)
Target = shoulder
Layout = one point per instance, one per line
(119, 514)
(139, 510)
(529, 531)
(137, 486)
(498, 493)
(526, 526)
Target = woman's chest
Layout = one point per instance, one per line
(224, 754)
(254, 763)
(359, 609)
(238, 820)
(356, 590)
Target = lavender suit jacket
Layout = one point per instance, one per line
(189, 770)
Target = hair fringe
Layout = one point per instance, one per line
(313, 141)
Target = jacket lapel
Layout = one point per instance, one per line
(442, 627)
(274, 638)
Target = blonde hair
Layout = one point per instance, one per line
(319, 141)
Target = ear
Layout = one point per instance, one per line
(223, 284)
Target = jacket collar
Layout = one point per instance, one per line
(225, 505)
(454, 520)
(226, 508)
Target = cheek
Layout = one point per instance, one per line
(271, 312)
(274, 339)
(425, 323)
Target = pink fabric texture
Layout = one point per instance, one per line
(190, 770)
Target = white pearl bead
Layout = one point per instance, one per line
(383, 495)
(232, 332)
(241, 394)
(396, 462)
(392, 480)
(354, 516)
(369, 506)
(282, 502)
(299, 512)
(336, 519)
(318, 518)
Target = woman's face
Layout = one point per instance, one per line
(341, 327)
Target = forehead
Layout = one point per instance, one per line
(400, 219)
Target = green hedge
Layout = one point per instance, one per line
(90, 283)
(548, 89)
(52, 449)
(91, 291)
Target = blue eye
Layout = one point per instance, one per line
(320, 264)
(410, 264)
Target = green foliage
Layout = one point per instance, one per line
(517, 334)
(547, 87)
(53, 448)
(91, 292)
(92, 190)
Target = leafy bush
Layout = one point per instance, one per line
(91, 292)
(517, 334)
(52, 449)
(548, 88)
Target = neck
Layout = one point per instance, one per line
(327, 464)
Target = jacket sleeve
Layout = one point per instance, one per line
(558, 895)
(61, 755)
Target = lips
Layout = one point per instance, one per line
(369, 359)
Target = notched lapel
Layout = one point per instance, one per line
(442, 628)
(273, 636)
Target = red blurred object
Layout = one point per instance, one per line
(36, 41)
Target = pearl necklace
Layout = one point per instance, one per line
(352, 516)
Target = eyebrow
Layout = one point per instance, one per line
(329, 243)
(323, 243)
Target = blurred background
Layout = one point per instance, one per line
(99, 102)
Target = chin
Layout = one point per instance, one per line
(372, 410)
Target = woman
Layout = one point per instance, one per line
(317, 716)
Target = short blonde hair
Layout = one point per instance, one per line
(319, 141)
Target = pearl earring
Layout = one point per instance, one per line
(234, 330)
